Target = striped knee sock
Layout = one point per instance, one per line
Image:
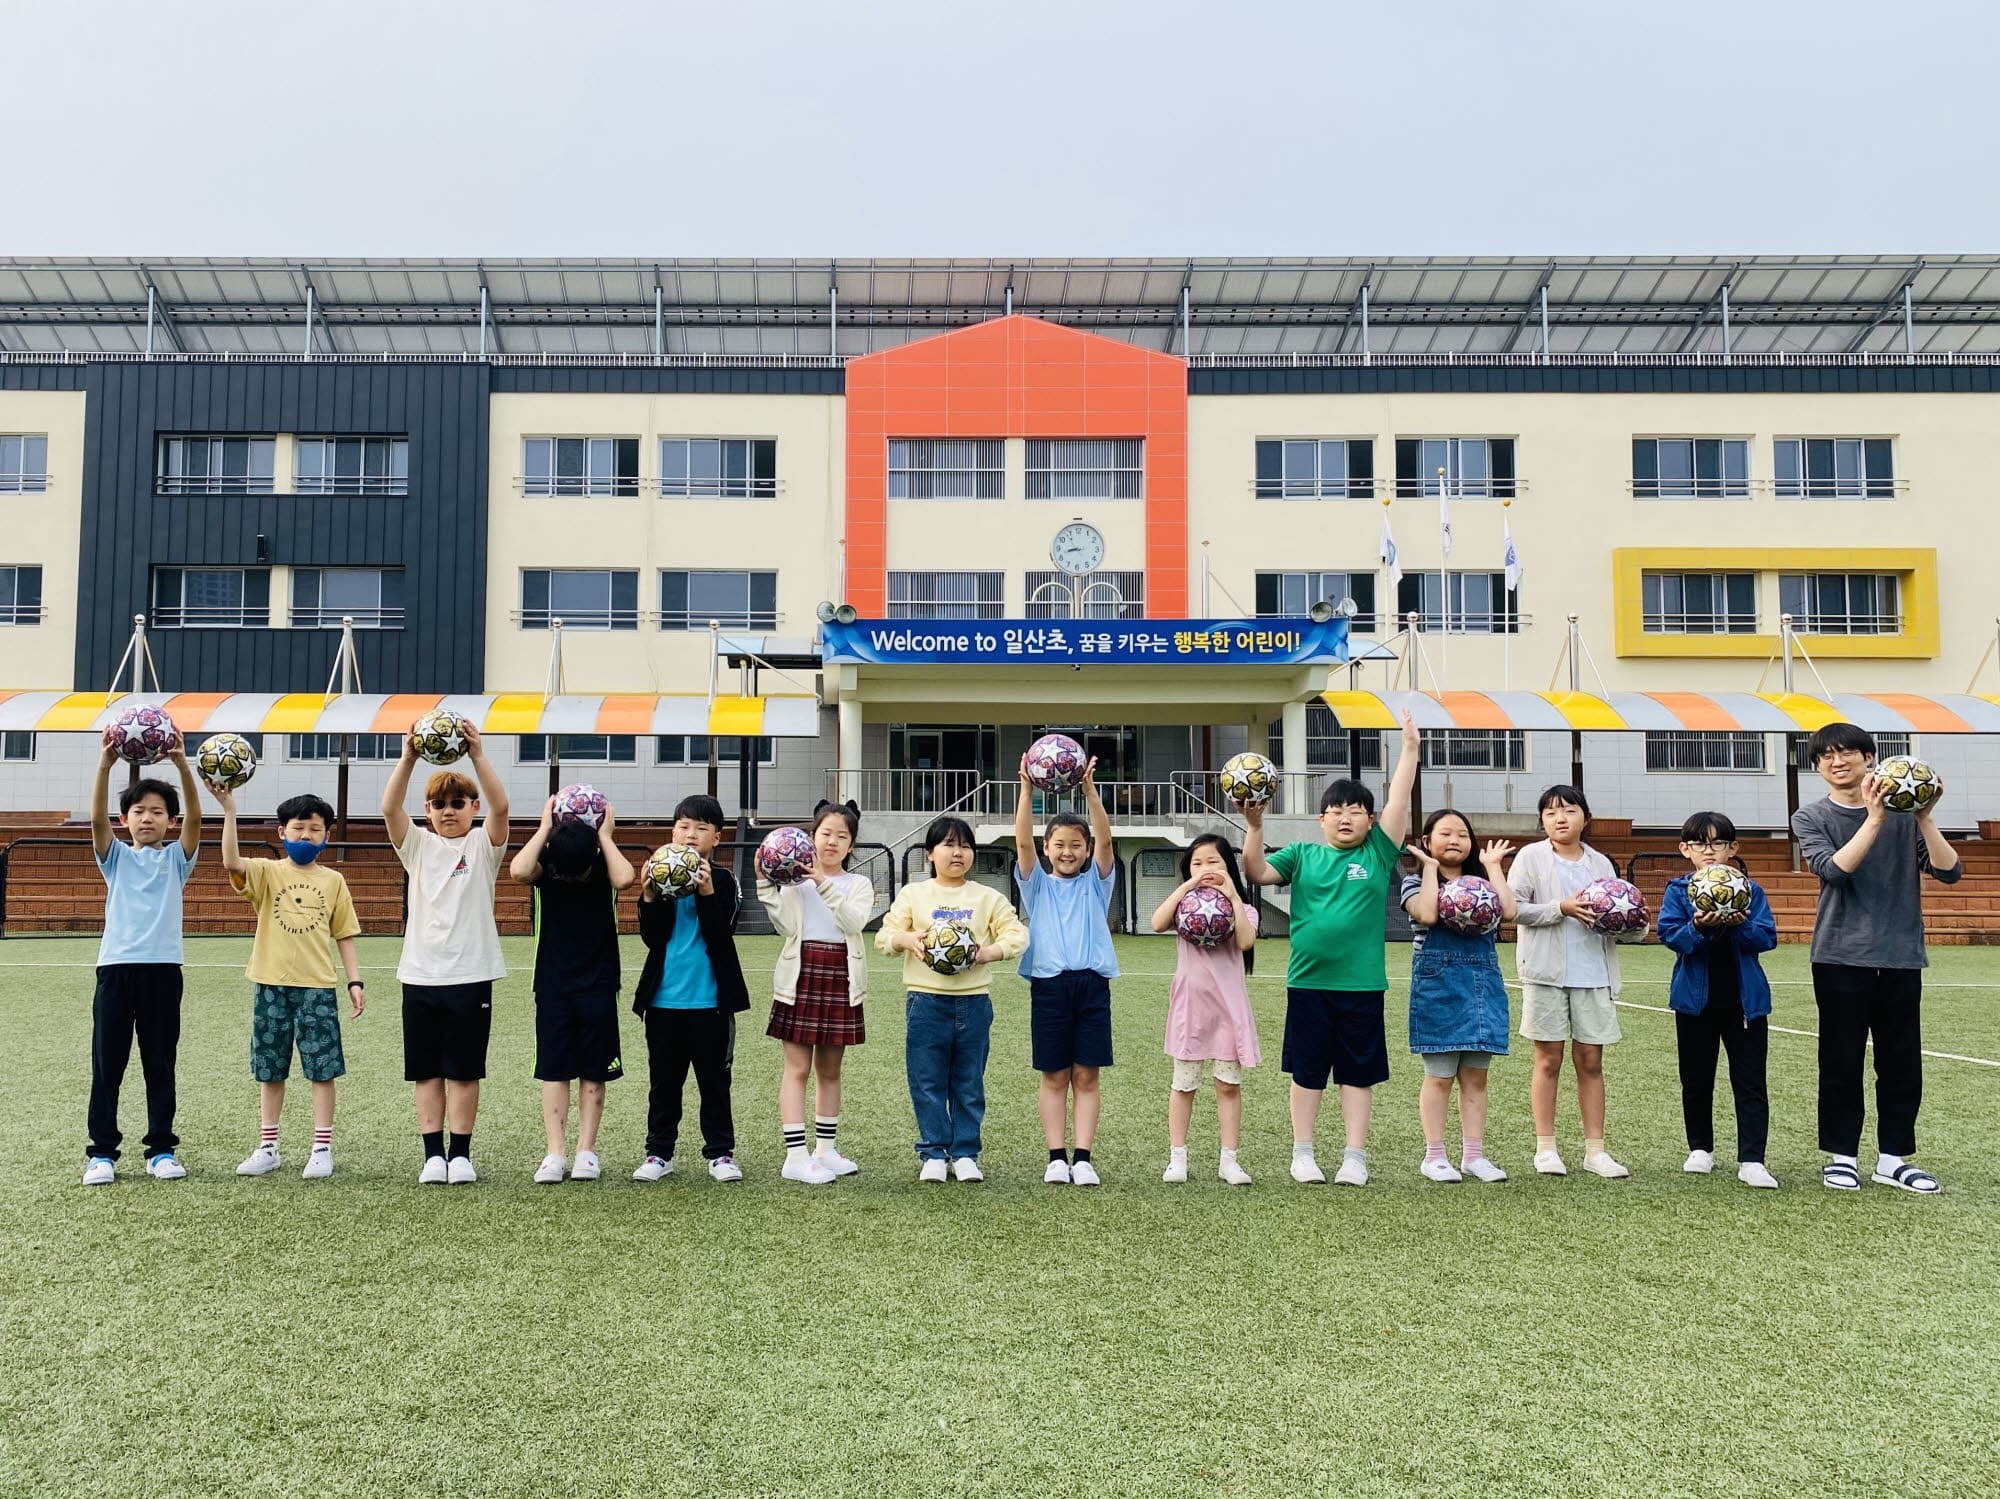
(322, 1137)
(795, 1140)
(825, 1126)
(267, 1136)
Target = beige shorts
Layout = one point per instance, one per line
(1552, 1013)
(1187, 1075)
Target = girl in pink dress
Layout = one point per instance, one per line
(1208, 1009)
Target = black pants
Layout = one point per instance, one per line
(142, 999)
(1721, 1025)
(1855, 1005)
(675, 1041)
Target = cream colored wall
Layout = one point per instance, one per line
(797, 534)
(1573, 456)
(45, 529)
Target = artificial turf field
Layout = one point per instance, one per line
(1665, 1335)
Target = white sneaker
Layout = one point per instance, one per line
(435, 1172)
(1176, 1169)
(319, 1164)
(1699, 1162)
(1057, 1174)
(550, 1171)
(458, 1171)
(1305, 1171)
(1602, 1165)
(1232, 1173)
(1550, 1163)
(1084, 1174)
(831, 1158)
(934, 1171)
(166, 1167)
(1441, 1171)
(1351, 1174)
(1481, 1169)
(966, 1169)
(724, 1169)
(587, 1168)
(803, 1168)
(652, 1169)
(99, 1172)
(1753, 1174)
(261, 1162)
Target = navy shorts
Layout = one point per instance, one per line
(576, 1036)
(1069, 1020)
(1336, 1031)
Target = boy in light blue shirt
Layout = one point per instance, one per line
(139, 960)
(1069, 965)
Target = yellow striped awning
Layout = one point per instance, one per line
(1744, 712)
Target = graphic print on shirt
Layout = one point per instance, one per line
(1359, 872)
(460, 870)
(298, 905)
(951, 913)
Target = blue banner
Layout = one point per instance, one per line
(1290, 641)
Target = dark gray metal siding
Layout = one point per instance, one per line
(556, 379)
(1604, 379)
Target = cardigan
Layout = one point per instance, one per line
(849, 900)
(1538, 926)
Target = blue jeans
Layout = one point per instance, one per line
(945, 1041)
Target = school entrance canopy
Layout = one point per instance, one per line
(1653, 712)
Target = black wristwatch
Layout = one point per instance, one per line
(356, 984)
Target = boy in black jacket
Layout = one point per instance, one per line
(689, 995)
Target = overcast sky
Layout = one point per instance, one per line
(784, 128)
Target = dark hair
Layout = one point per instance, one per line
(1475, 865)
(571, 850)
(1704, 826)
(847, 812)
(1346, 793)
(949, 830)
(298, 808)
(129, 797)
(1221, 845)
(1838, 736)
(1068, 820)
(700, 808)
(1573, 795)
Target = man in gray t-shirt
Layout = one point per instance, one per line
(1868, 956)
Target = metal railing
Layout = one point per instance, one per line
(351, 484)
(330, 618)
(577, 486)
(24, 483)
(716, 489)
(21, 614)
(211, 617)
(971, 793)
(1312, 489)
(214, 484)
(1610, 359)
(84, 845)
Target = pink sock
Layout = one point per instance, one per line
(1474, 1148)
(1434, 1151)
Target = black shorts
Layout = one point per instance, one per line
(1069, 1020)
(445, 1030)
(1337, 1031)
(576, 1036)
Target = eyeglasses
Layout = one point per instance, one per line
(455, 803)
(1713, 845)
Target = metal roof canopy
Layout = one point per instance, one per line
(1415, 306)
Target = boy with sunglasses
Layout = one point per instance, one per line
(451, 948)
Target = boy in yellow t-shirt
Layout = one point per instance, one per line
(299, 906)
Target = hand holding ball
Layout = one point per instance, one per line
(143, 735)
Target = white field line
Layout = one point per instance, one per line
(1943, 1056)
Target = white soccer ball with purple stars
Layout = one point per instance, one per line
(786, 856)
(1469, 906)
(1205, 917)
(439, 736)
(1613, 906)
(582, 803)
(144, 735)
(1056, 763)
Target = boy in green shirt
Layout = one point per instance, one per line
(1338, 974)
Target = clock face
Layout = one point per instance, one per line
(1078, 548)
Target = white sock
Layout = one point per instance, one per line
(1888, 1165)
(1352, 1157)
(1302, 1150)
(1177, 1153)
(1846, 1160)
(1227, 1154)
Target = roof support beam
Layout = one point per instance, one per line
(158, 319)
(1537, 305)
(1897, 305)
(1716, 305)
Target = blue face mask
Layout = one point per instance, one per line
(302, 850)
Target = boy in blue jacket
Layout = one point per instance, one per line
(1720, 997)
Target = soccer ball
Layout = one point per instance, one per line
(786, 856)
(672, 870)
(225, 761)
(1720, 890)
(1908, 785)
(439, 736)
(1055, 762)
(1205, 917)
(582, 803)
(144, 735)
(950, 947)
(1249, 778)
(1469, 906)
(1613, 906)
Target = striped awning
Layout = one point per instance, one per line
(1746, 712)
(791, 716)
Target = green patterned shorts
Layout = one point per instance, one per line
(279, 1016)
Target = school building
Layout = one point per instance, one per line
(606, 506)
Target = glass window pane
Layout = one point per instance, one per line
(571, 454)
(705, 464)
(1301, 460)
(1473, 471)
(1333, 468)
(1736, 462)
(579, 592)
(725, 595)
(673, 464)
(536, 458)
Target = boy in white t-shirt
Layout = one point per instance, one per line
(451, 948)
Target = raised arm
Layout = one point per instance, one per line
(1423, 904)
(527, 864)
(1494, 858)
(190, 804)
(395, 816)
(232, 856)
(1100, 822)
(623, 875)
(492, 790)
(1024, 825)
(1256, 868)
(1847, 858)
(100, 801)
(1396, 809)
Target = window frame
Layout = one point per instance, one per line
(12, 741)
(1810, 619)
(174, 616)
(1660, 620)
(767, 750)
(1513, 743)
(393, 480)
(1661, 744)
(210, 482)
(1507, 621)
(983, 476)
(24, 477)
(1323, 728)
(614, 616)
(1865, 483)
(369, 749)
(1272, 469)
(1123, 480)
(1500, 452)
(1649, 483)
(981, 607)
(386, 615)
(618, 479)
(1367, 619)
(1128, 606)
(749, 484)
(533, 749)
(687, 617)
(17, 613)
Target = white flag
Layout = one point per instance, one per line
(1444, 520)
(1389, 555)
(1513, 558)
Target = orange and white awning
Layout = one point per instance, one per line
(791, 716)
(1706, 712)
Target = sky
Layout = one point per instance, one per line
(1093, 127)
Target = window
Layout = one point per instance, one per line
(729, 468)
(1315, 468)
(578, 749)
(1099, 595)
(946, 596)
(1691, 468)
(1834, 468)
(1842, 603)
(370, 596)
(217, 465)
(1296, 593)
(1085, 468)
(1685, 750)
(17, 744)
(580, 465)
(1479, 603)
(20, 595)
(24, 463)
(353, 465)
(582, 598)
(1700, 603)
(735, 600)
(937, 469)
(1885, 746)
(1327, 742)
(224, 598)
(692, 749)
(1476, 749)
(369, 747)
(1474, 467)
